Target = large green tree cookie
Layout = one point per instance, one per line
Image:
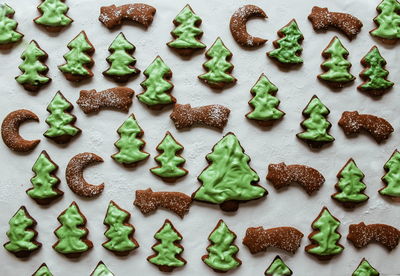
(44, 182)
(387, 21)
(278, 268)
(316, 125)
(218, 67)
(167, 250)
(324, 240)
(130, 144)
(288, 45)
(350, 186)
(170, 163)
(264, 103)
(374, 75)
(72, 234)
(101, 270)
(61, 122)
(392, 176)
(53, 15)
(122, 64)
(43, 270)
(222, 252)
(33, 68)
(21, 234)
(120, 231)
(336, 66)
(228, 179)
(8, 34)
(365, 269)
(186, 34)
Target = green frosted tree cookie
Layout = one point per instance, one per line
(8, 34)
(122, 64)
(228, 179)
(365, 269)
(264, 103)
(392, 176)
(387, 22)
(101, 270)
(222, 252)
(288, 48)
(120, 231)
(218, 67)
(43, 270)
(167, 249)
(278, 268)
(53, 15)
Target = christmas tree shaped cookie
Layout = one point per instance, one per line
(44, 182)
(278, 268)
(387, 22)
(187, 33)
(130, 144)
(288, 48)
(43, 270)
(167, 250)
(325, 238)
(392, 177)
(157, 87)
(374, 75)
(336, 67)
(61, 122)
(72, 234)
(365, 269)
(120, 231)
(101, 270)
(21, 234)
(170, 163)
(316, 125)
(228, 179)
(122, 64)
(53, 15)
(350, 186)
(218, 67)
(79, 60)
(33, 68)
(222, 252)
(8, 34)
(264, 103)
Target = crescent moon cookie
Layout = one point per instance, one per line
(8, 34)
(10, 130)
(239, 29)
(53, 16)
(74, 174)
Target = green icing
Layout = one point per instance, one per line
(121, 62)
(316, 125)
(222, 252)
(20, 234)
(71, 232)
(53, 14)
(289, 46)
(350, 184)
(170, 163)
(264, 102)
(365, 269)
(32, 66)
(8, 26)
(43, 271)
(130, 145)
(59, 120)
(388, 20)
(392, 177)
(101, 270)
(167, 249)
(337, 66)
(278, 268)
(218, 67)
(229, 176)
(77, 58)
(187, 33)
(119, 232)
(44, 180)
(376, 72)
(327, 237)
(156, 85)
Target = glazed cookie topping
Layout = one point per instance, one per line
(365, 269)
(288, 45)
(222, 252)
(101, 270)
(33, 68)
(228, 179)
(8, 26)
(43, 270)
(130, 144)
(53, 16)
(392, 176)
(278, 268)
(387, 21)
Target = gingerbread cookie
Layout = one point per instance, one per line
(365, 269)
(392, 177)
(101, 270)
(278, 268)
(112, 16)
(387, 22)
(238, 25)
(53, 16)
(10, 130)
(43, 270)
(8, 34)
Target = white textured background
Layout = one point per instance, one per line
(288, 208)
